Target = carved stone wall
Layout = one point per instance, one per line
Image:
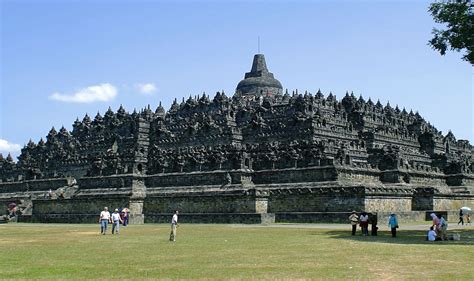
(259, 151)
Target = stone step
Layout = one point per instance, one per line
(460, 190)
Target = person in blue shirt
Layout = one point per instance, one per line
(393, 224)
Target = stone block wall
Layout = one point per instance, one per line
(427, 179)
(105, 182)
(240, 201)
(323, 199)
(75, 210)
(452, 203)
(311, 174)
(312, 217)
(32, 185)
(348, 174)
(388, 204)
(246, 218)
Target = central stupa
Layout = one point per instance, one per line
(259, 81)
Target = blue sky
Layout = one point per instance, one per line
(56, 55)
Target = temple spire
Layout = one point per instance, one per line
(259, 64)
(259, 81)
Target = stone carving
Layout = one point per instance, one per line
(248, 139)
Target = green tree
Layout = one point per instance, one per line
(459, 34)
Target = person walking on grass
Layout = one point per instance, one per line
(174, 225)
(461, 217)
(393, 224)
(354, 219)
(125, 216)
(104, 220)
(116, 221)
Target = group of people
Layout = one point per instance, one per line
(116, 218)
(364, 220)
(438, 231)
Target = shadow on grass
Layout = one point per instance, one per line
(404, 237)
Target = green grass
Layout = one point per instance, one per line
(60, 251)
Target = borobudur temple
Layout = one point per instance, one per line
(260, 155)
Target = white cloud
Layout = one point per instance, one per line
(102, 92)
(147, 88)
(6, 146)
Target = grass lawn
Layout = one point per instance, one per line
(61, 251)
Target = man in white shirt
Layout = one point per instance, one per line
(104, 220)
(116, 221)
(174, 225)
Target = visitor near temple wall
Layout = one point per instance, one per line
(116, 221)
(443, 228)
(431, 234)
(124, 216)
(104, 220)
(436, 225)
(364, 223)
(461, 217)
(174, 225)
(373, 222)
(468, 219)
(393, 224)
(354, 219)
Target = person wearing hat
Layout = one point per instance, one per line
(124, 216)
(354, 219)
(104, 220)
(393, 224)
(116, 220)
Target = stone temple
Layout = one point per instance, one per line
(260, 155)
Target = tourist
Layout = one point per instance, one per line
(468, 219)
(116, 221)
(104, 220)
(373, 222)
(125, 216)
(364, 223)
(435, 224)
(393, 224)
(174, 225)
(431, 234)
(443, 227)
(461, 217)
(354, 219)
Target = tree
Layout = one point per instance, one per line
(459, 35)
